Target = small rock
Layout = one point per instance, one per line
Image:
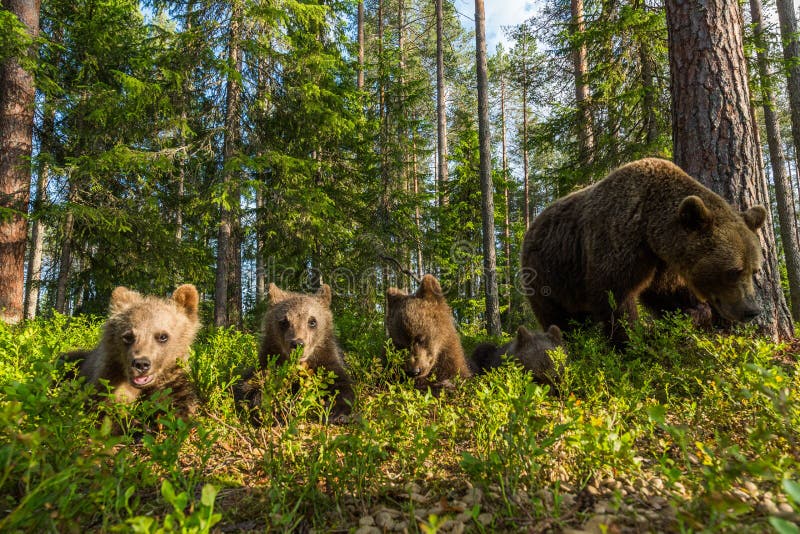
(368, 529)
(593, 491)
(601, 508)
(786, 508)
(366, 521)
(458, 528)
(464, 517)
(599, 524)
(473, 496)
(568, 500)
(658, 484)
(416, 497)
(401, 526)
(384, 520)
(751, 488)
(485, 518)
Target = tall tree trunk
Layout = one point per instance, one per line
(487, 187)
(65, 261)
(261, 273)
(441, 108)
(34, 277)
(17, 92)
(526, 188)
(579, 68)
(226, 240)
(791, 55)
(780, 175)
(714, 133)
(360, 45)
(507, 222)
(649, 100)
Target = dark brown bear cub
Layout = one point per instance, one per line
(648, 229)
(528, 348)
(144, 339)
(423, 324)
(293, 321)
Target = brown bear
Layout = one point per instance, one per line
(528, 348)
(295, 320)
(648, 229)
(423, 324)
(143, 341)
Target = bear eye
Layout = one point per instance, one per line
(312, 323)
(284, 323)
(732, 275)
(162, 337)
(128, 338)
(419, 340)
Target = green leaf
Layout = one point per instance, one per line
(783, 527)
(792, 489)
(208, 495)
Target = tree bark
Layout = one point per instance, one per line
(65, 262)
(17, 93)
(226, 241)
(526, 190)
(780, 175)
(441, 108)
(714, 134)
(493, 326)
(579, 67)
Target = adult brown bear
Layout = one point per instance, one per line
(648, 229)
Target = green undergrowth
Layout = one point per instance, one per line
(706, 414)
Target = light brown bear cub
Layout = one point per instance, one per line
(423, 324)
(295, 320)
(143, 341)
(647, 232)
(528, 348)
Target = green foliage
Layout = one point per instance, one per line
(709, 416)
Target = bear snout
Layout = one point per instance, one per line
(141, 365)
(413, 372)
(295, 343)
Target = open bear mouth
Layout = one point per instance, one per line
(141, 381)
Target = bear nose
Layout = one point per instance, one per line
(414, 372)
(296, 343)
(141, 364)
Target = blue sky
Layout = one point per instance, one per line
(499, 13)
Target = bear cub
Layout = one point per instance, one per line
(422, 323)
(528, 348)
(296, 320)
(144, 340)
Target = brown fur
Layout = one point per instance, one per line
(528, 348)
(650, 230)
(143, 341)
(293, 320)
(423, 324)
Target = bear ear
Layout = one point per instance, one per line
(276, 294)
(754, 217)
(429, 289)
(523, 334)
(324, 294)
(394, 295)
(187, 298)
(693, 214)
(122, 298)
(555, 334)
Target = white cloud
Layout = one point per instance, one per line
(499, 13)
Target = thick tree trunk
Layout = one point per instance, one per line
(226, 240)
(493, 326)
(714, 133)
(780, 174)
(579, 68)
(16, 142)
(441, 108)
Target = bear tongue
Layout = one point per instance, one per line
(142, 380)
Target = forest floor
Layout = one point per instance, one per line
(683, 431)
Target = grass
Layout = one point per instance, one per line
(684, 431)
